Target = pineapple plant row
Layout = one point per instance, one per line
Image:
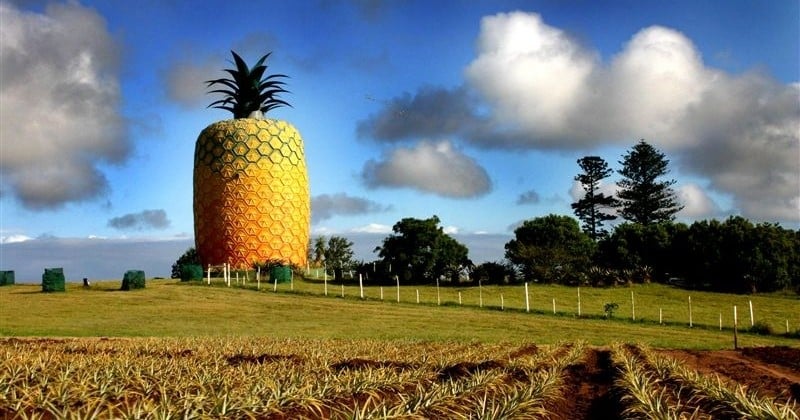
(251, 192)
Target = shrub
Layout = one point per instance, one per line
(609, 309)
(761, 328)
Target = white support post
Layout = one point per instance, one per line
(361, 285)
(554, 306)
(690, 312)
(208, 276)
(579, 301)
(660, 317)
(633, 307)
(237, 278)
(397, 279)
(438, 296)
(381, 292)
(258, 276)
(459, 298)
(275, 285)
(480, 294)
(417, 295)
(527, 299)
(752, 320)
(326, 285)
(502, 303)
(342, 289)
(720, 321)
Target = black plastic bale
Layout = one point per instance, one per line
(133, 279)
(53, 280)
(6, 277)
(191, 272)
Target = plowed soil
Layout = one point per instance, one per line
(770, 371)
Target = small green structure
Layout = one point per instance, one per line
(280, 274)
(6, 277)
(191, 272)
(133, 279)
(53, 280)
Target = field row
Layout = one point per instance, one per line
(271, 378)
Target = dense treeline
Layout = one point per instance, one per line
(730, 256)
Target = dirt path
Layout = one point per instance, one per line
(588, 389)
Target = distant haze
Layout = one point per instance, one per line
(108, 259)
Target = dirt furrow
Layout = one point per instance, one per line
(587, 389)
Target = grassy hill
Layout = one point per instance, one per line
(301, 310)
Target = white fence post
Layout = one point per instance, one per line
(527, 299)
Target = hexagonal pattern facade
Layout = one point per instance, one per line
(251, 196)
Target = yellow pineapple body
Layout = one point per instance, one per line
(251, 195)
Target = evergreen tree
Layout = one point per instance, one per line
(590, 208)
(644, 199)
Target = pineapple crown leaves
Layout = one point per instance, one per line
(248, 90)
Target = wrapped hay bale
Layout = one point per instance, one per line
(191, 272)
(133, 279)
(53, 280)
(280, 273)
(6, 278)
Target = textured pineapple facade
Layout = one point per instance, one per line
(251, 195)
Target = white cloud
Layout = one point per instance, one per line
(373, 228)
(59, 105)
(531, 73)
(697, 204)
(10, 239)
(438, 168)
(450, 230)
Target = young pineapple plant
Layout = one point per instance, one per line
(251, 195)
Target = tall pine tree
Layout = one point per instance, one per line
(643, 198)
(589, 209)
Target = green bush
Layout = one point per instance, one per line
(133, 279)
(761, 328)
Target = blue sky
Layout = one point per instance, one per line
(475, 111)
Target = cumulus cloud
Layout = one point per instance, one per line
(538, 88)
(438, 168)
(146, 219)
(59, 105)
(697, 204)
(528, 197)
(325, 206)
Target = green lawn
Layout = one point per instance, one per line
(169, 308)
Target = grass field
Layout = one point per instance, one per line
(167, 308)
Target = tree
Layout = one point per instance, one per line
(643, 198)
(551, 249)
(589, 209)
(419, 251)
(319, 250)
(338, 255)
(188, 257)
